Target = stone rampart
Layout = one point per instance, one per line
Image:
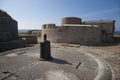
(86, 35)
(107, 28)
(73, 30)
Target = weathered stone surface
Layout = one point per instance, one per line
(73, 31)
(30, 39)
(107, 28)
(69, 63)
(9, 33)
(71, 20)
(8, 27)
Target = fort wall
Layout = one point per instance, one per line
(86, 35)
(8, 29)
(107, 27)
(73, 30)
(9, 33)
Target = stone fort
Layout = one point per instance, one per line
(74, 30)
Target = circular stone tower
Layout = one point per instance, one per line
(71, 20)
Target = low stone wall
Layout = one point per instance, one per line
(4, 46)
(116, 38)
(35, 32)
(30, 39)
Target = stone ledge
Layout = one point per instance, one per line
(12, 45)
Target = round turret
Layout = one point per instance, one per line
(71, 20)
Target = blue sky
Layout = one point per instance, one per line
(31, 14)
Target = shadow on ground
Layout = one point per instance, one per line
(107, 44)
(115, 42)
(59, 61)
